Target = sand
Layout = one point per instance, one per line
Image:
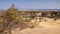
(48, 26)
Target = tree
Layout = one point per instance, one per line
(11, 15)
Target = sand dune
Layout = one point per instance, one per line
(48, 26)
(38, 31)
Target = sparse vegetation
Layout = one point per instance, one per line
(12, 19)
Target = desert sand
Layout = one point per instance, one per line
(48, 26)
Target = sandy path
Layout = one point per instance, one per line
(38, 31)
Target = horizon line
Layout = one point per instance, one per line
(33, 9)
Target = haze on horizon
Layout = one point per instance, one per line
(30, 4)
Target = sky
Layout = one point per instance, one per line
(30, 4)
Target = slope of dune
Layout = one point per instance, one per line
(47, 22)
(48, 26)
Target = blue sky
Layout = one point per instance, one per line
(30, 4)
